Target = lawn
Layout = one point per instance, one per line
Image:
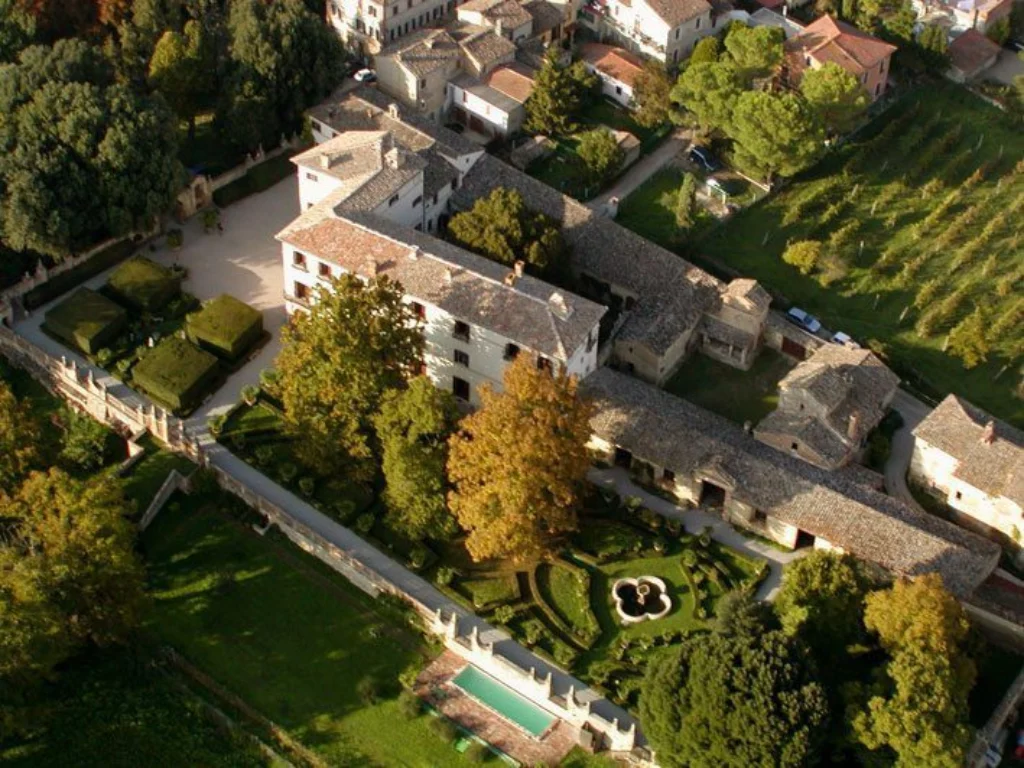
(923, 212)
(287, 634)
(145, 478)
(604, 112)
(108, 710)
(740, 396)
(650, 210)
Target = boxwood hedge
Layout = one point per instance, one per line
(86, 320)
(176, 373)
(226, 327)
(142, 284)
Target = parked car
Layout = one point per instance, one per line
(705, 159)
(804, 320)
(843, 338)
(365, 76)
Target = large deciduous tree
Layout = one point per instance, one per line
(706, 51)
(179, 69)
(600, 153)
(710, 91)
(775, 133)
(557, 96)
(652, 95)
(336, 362)
(500, 226)
(919, 706)
(17, 30)
(413, 427)
(734, 699)
(835, 95)
(82, 158)
(518, 464)
(19, 436)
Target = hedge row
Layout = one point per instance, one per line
(86, 320)
(65, 281)
(226, 327)
(552, 615)
(258, 179)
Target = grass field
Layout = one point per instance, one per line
(650, 210)
(288, 635)
(934, 190)
(146, 477)
(737, 395)
(108, 710)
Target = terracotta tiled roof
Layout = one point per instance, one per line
(514, 80)
(971, 51)
(829, 40)
(957, 428)
(547, 320)
(424, 51)
(836, 506)
(617, 63)
(545, 15)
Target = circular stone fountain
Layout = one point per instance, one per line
(642, 599)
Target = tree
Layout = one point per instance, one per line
(85, 158)
(739, 613)
(56, 19)
(686, 202)
(652, 95)
(501, 227)
(732, 701)
(822, 602)
(284, 54)
(178, 69)
(803, 254)
(85, 440)
(557, 95)
(835, 95)
(413, 427)
(754, 51)
(706, 51)
(967, 340)
(600, 153)
(919, 706)
(999, 32)
(17, 30)
(775, 133)
(518, 464)
(934, 46)
(19, 436)
(336, 362)
(710, 91)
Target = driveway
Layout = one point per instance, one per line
(1006, 68)
(913, 412)
(694, 520)
(244, 261)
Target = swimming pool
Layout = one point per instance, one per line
(503, 700)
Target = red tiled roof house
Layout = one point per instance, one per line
(616, 68)
(862, 55)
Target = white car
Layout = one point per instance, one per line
(843, 338)
(365, 76)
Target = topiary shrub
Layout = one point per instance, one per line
(307, 486)
(288, 472)
(364, 523)
(418, 556)
(503, 614)
(264, 455)
(445, 575)
(689, 558)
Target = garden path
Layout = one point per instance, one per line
(643, 169)
(913, 412)
(696, 519)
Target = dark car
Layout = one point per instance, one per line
(703, 157)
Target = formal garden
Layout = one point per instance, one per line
(915, 232)
(143, 328)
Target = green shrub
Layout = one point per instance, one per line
(503, 614)
(477, 752)
(689, 558)
(175, 239)
(444, 728)
(418, 556)
(487, 592)
(307, 486)
(288, 472)
(143, 285)
(226, 327)
(176, 373)
(264, 455)
(445, 575)
(364, 523)
(409, 704)
(86, 320)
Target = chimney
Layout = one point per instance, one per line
(558, 305)
(393, 159)
(371, 267)
(448, 276)
(611, 208)
(510, 279)
(988, 436)
(785, 10)
(414, 253)
(854, 424)
(518, 267)
(393, 110)
(325, 160)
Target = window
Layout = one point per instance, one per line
(461, 358)
(878, 89)
(677, 34)
(391, 33)
(761, 518)
(312, 176)
(511, 351)
(465, 97)
(430, 225)
(299, 260)
(958, 495)
(543, 364)
(794, 447)
(324, 269)
(435, 198)
(423, 83)
(697, 25)
(460, 388)
(461, 330)
(373, 11)
(618, 90)
(416, 202)
(418, 309)
(591, 341)
(394, 10)
(668, 476)
(392, 201)
(408, 4)
(301, 291)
